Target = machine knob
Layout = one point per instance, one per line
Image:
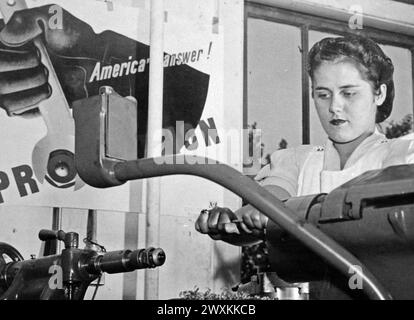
(45, 235)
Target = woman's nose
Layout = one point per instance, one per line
(337, 104)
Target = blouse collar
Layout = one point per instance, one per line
(332, 161)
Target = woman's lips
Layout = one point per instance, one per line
(337, 122)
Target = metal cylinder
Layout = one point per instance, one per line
(127, 260)
(71, 240)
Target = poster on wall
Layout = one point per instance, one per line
(91, 45)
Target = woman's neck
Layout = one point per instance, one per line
(346, 149)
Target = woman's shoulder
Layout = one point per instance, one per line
(407, 137)
(407, 140)
(400, 150)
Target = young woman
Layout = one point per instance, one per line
(353, 91)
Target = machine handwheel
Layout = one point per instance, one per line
(7, 254)
(7, 251)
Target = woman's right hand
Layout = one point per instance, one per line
(243, 227)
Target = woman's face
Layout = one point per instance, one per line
(345, 102)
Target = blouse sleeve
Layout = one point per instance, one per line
(283, 171)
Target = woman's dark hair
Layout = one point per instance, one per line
(372, 62)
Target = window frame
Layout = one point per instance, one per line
(306, 23)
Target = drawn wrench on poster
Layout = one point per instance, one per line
(55, 112)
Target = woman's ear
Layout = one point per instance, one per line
(381, 95)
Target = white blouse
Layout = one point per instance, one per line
(310, 169)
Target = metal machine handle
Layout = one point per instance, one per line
(45, 235)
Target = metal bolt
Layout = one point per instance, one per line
(11, 3)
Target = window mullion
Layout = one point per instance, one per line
(305, 85)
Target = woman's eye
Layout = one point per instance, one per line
(323, 95)
(348, 94)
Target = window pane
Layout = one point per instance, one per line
(274, 82)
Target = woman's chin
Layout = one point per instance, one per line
(338, 139)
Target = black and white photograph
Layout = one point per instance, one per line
(235, 152)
